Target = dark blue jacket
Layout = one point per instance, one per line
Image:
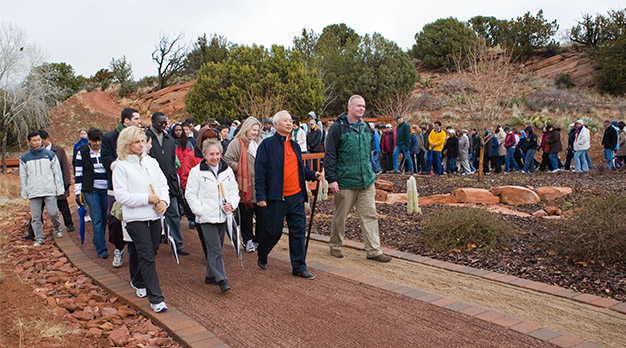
(269, 169)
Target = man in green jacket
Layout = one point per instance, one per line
(403, 141)
(351, 178)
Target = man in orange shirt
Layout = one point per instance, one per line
(281, 190)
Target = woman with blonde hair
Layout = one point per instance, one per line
(240, 156)
(141, 188)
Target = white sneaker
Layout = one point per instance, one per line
(38, 243)
(58, 231)
(159, 307)
(141, 292)
(117, 258)
(553, 171)
(250, 246)
(87, 218)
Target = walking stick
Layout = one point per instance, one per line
(316, 190)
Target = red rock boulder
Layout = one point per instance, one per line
(474, 195)
(397, 198)
(540, 213)
(384, 185)
(437, 199)
(516, 195)
(552, 210)
(549, 193)
(381, 196)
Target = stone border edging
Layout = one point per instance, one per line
(185, 330)
(506, 321)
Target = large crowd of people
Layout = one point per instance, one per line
(137, 181)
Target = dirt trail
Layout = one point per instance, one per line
(598, 325)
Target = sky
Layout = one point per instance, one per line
(87, 34)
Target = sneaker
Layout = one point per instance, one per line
(553, 171)
(224, 286)
(380, 258)
(192, 224)
(38, 243)
(58, 232)
(250, 246)
(117, 258)
(87, 218)
(159, 307)
(142, 292)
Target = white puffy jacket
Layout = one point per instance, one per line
(131, 185)
(203, 192)
(40, 174)
(583, 140)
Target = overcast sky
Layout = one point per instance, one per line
(87, 33)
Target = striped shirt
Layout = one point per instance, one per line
(100, 176)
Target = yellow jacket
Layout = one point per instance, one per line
(437, 139)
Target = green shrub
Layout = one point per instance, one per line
(564, 81)
(465, 228)
(591, 123)
(596, 233)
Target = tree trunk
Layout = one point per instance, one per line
(4, 152)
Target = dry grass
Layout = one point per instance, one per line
(37, 329)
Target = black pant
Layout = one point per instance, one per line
(185, 208)
(418, 162)
(545, 162)
(386, 161)
(116, 236)
(146, 236)
(495, 163)
(246, 214)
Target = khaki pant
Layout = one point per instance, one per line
(363, 201)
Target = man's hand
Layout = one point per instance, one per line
(333, 187)
(262, 204)
(319, 176)
(160, 207)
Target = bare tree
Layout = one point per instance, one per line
(25, 95)
(487, 81)
(169, 54)
(400, 103)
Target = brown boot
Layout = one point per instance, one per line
(380, 258)
(336, 253)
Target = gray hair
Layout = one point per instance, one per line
(356, 96)
(209, 143)
(278, 115)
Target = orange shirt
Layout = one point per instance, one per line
(291, 178)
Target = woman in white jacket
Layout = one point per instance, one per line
(582, 143)
(211, 193)
(142, 190)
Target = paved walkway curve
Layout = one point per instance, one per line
(339, 308)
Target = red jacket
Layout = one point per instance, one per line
(387, 142)
(509, 141)
(191, 160)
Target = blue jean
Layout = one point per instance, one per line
(510, 161)
(292, 209)
(375, 164)
(554, 160)
(529, 161)
(450, 164)
(97, 201)
(405, 152)
(608, 156)
(588, 158)
(568, 159)
(580, 161)
(172, 219)
(437, 162)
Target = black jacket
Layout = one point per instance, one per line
(165, 154)
(452, 147)
(314, 141)
(109, 151)
(609, 140)
(570, 140)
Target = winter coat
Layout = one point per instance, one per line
(609, 140)
(203, 192)
(495, 147)
(232, 159)
(622, 143)
(40, 174)
(165, 154)
(314, 141)
(544, 141)
(299, 134)
(582, 141)
(571, 138)
(452, 147)
(132, 179)
(65, 169)
(464, 148)
(269, 168)
(191, 160)
(476, 143)
(509, 141)
(415, 142)
(347, 157)
(403, 134)
(377, 140)
(182, 154)
(81, 142)
(387, 143)
(436, 140)
(501, 135)
(532, 142)
(90, 172)
(554, 140)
